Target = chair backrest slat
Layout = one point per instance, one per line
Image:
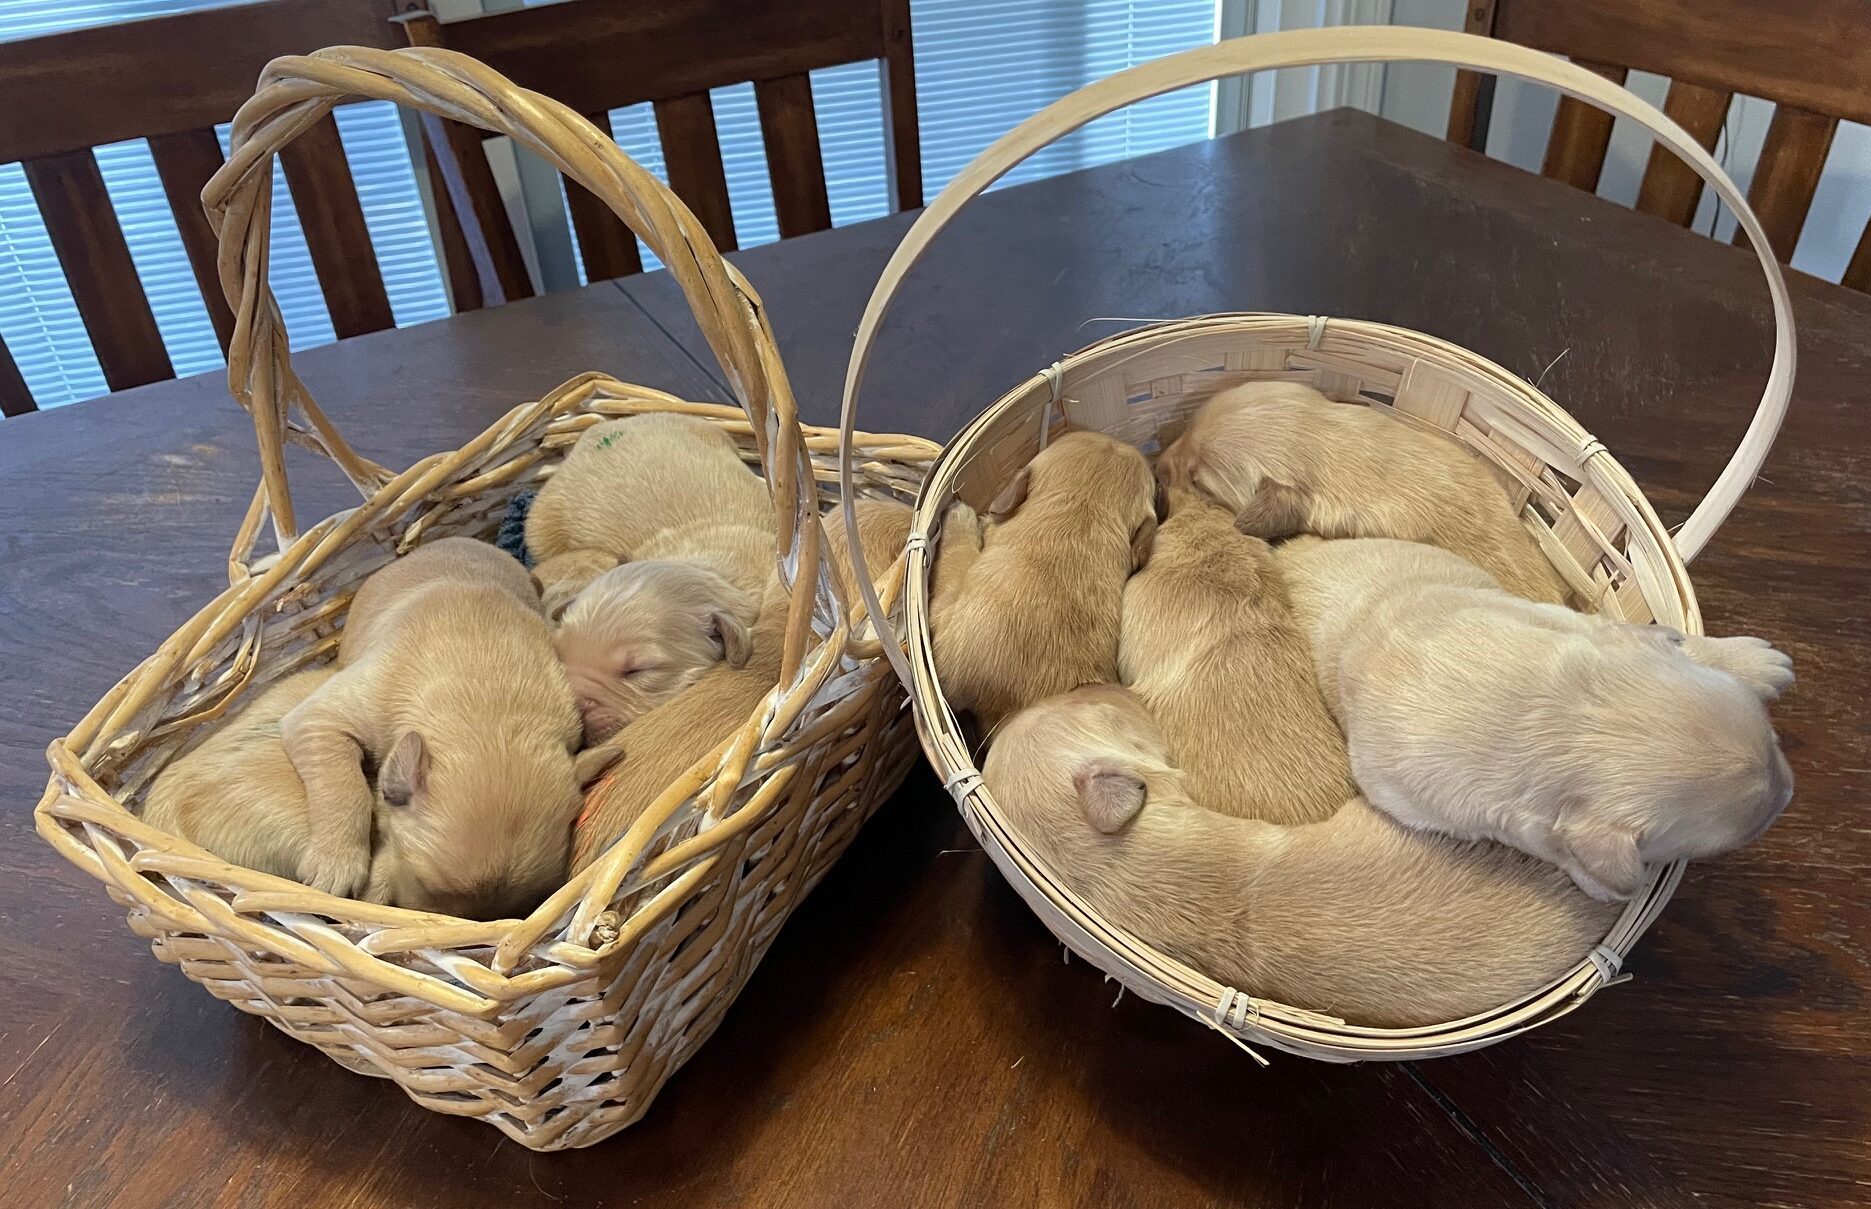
(903, 149)
(685, 126)
(1812, 59)
(796, 166)
(15, 398)
(185, 160)
(335, 232)
(1671, 188)
(1575, 151)
(485, 266)
(1787, 175)
(606, 244)
(79, 220)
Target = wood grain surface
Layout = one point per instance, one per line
(914, 1036)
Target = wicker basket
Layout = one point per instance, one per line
(559, 1028)
(1591, 519)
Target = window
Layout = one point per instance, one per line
(38, 318)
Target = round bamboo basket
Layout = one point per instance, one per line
(1589, 516)
(561, 1027)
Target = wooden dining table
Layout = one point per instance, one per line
(914, 1036)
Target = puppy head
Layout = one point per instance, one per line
(1103, 741)
(1683, 763)
(1091, 475)
(643, 632)
(478, 827)
(1239, 451)
(563, 576)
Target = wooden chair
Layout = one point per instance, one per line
(600, 55)
(170, 80)
(1811, 58)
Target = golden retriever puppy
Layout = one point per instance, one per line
(237, 794)
(448, 684)
(646, 757)
(641, 633)
(1353, 916)
(1209, 643)
(628, 480)
(1287, 460)
(1593, 744)
(1034, 610)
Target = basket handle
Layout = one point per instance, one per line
(1306, 48)
(296, 92)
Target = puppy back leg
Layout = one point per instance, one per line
(322, 740)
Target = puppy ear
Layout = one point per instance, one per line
(1607, 854)
(1142, 542)
(1011, 496)
(1159, 504)
(1110, 796)
(736, 643)
(405, 770)
(555, 600)
(1274, 511)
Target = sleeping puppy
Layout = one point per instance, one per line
(237, 794)
(627, 481)
(1209, 643)
(1593, 744)
(645, 758)
(1288, 460)
(1352, 916)
(447, 683)
(643, 632)
(1033, 611)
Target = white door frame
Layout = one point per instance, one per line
(1276, 96)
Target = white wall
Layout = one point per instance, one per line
(1418, 96)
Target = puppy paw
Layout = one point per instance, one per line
(962, 521)
(1753, 661)
(344, 873)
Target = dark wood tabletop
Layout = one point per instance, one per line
(913, 1037)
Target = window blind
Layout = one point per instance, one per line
(38, 319)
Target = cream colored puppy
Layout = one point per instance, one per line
(641, 633)
(1288, 460)
(237, 794)
(1033, 610)
(668, 740)
(1353, 916)
(627, 481)
(1593, 744)
(1208, 641)
(448, 683)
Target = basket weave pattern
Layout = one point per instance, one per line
(559, 1028)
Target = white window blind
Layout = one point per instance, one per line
(981, 67)
(40, 322)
